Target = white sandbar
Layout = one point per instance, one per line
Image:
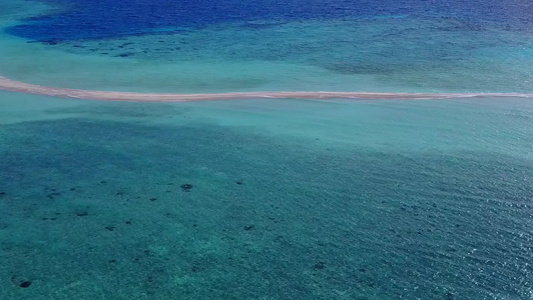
(21, 87)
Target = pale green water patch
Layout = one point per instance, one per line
(12, 11)
(499, 124)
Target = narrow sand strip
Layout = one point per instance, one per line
(17, 86)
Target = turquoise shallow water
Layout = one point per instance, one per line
(269, 199)
(389, 200)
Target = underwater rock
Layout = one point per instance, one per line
(449, 296)
(187, 187)
(320, 265)
(82, 213)
(153, 199)
(25, 284)
(239, 182)
(249, 227)
(125, 54)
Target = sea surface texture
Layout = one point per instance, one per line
(267, 198)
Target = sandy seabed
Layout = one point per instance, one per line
(21, 87)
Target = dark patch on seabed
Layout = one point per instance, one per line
(118, 210)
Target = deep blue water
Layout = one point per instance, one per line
(89, 19)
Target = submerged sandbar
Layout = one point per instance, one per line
(21, 87)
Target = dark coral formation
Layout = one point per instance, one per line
(186, 187)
